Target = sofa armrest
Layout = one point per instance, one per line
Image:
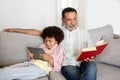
(116, 36)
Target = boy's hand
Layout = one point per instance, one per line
(30, 55)
(48, 58)
(45, 56)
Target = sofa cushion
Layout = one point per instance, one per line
(56, 76)
(13, 47)
(43, 78)
(111, 54)
(105, 31)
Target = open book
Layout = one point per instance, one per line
(36, 52)
(92, 51)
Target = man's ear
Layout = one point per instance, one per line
(62, 21)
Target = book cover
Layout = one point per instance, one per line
(89, 52)
(36, 52)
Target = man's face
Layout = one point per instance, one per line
(70, 20)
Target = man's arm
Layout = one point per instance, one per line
(25, 31)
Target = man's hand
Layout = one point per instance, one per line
(89, 59)
(25, 31)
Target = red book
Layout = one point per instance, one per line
(89, 52)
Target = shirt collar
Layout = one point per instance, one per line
(54, 47)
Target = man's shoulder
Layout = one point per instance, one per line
(82, 29)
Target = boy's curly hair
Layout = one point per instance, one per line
(53, 31)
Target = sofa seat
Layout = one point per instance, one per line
(43, 78)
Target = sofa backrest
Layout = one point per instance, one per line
(97, 33)
(13, 47)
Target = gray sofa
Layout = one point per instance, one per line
(13, 50)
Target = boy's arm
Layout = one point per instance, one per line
(25, 31)
(48, 58)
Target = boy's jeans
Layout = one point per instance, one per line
(86, 71)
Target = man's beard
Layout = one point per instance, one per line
(70, 27)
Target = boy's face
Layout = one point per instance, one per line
(50, 42)
(70, 20)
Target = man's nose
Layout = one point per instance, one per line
(72, 21)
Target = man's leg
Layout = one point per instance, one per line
(71, 72)
(88, 70)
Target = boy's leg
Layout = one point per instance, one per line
(23, 64)
(21, 72)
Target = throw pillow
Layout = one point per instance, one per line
(106, 32)
(111, 54)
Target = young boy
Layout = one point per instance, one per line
(52, 36)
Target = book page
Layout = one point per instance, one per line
(101, 42)
(89, 49)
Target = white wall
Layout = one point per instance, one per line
(102, 12)
(38, 14)
(35, 14)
